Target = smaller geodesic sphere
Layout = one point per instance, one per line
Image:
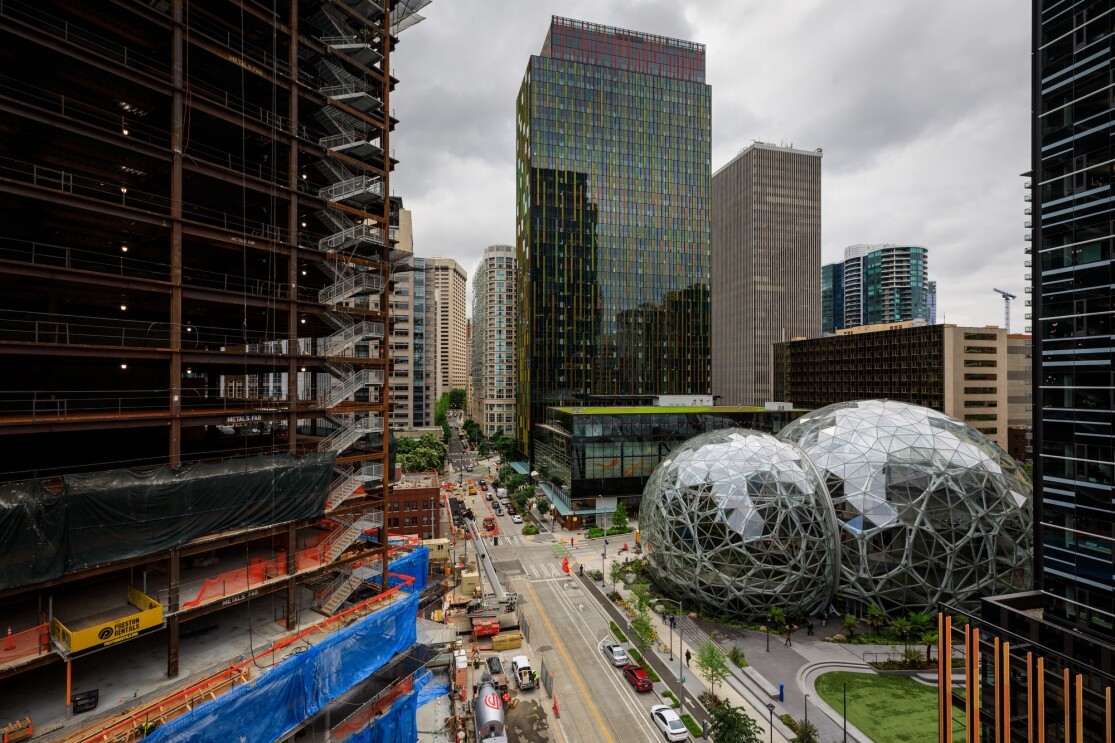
(738, 521)
(930, 509)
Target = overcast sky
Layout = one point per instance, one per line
(921, 108)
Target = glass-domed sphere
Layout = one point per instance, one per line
(740, 522)
(930, 509)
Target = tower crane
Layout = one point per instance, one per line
(1007, 297)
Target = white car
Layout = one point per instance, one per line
(668, 722)
(615, 654)
(516, 519)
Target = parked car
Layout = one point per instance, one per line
(497, 509)
(521, 670)
(488, 496)
(668, 722)
(615, 654)
(637, 677)
(516, 519)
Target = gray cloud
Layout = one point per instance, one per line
(921, 109)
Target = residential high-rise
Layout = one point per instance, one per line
(494, 321)
(886, 284)
(401, 347)
(1046, 658)
(832, 298)
(766, 251)
(194, 243)
(612, 239)
(447, 325)
(422, 377)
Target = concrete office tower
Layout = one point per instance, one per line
(766, 256)
(1060, 665)
(492, 361)
(612, 146)
(447, 334)
(887, 284)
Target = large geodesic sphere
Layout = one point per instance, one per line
(739, 521)
(930, 509)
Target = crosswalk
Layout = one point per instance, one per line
(544, 571)
(511, 540)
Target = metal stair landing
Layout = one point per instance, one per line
(343, 488)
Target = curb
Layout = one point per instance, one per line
(805, 680)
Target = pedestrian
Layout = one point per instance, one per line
(789, 636)
(809, 627)
(687, 657)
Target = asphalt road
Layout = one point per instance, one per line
(566, 626)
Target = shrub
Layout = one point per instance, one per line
(650, 673)
(617, 530)
(618, 632)
(674, 701)
(529, 529)
(617, 597)
(594, 532)
(789, 722)
(737, 656)
(635, 655)
(691, 724)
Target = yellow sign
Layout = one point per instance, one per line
(149, 616)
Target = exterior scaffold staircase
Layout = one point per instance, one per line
(349, 432)
(346, 583)
(348, 483)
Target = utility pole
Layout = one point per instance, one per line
(1007, 297)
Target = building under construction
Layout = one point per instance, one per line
(194, 267)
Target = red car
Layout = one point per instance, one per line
(637, 677)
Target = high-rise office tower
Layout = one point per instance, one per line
(1059, 674)
(612, 146)
(194, 244)
(885, 284)
(766, 252)
(447, 325)
(494, 324)
(832, 298)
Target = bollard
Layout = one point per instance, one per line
(782, 692)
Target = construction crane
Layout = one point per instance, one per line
(1007, 297)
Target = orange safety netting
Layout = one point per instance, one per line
(28, 643)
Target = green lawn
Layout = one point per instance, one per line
(889, 709)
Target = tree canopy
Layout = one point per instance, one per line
(728, 724)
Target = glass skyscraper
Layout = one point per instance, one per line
(613, 168)
(879, 284)
(1043, 662)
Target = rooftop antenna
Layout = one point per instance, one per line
(1007, 297)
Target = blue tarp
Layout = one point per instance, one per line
(398, 725)
(416, 565)
(429, 688)
(281, 699)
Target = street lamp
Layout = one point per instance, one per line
(807, 708)
(770, 709)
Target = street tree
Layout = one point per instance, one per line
(712, 664)
(728, 724)
(619, 516)
(642, 627)
(617, 572)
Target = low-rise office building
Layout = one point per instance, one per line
(962, 372)
(592, 458)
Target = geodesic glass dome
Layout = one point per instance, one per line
(739, 521)
(929, 508)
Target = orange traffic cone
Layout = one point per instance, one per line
(557, 712)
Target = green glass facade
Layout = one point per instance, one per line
(613, 171)
(613, 451)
